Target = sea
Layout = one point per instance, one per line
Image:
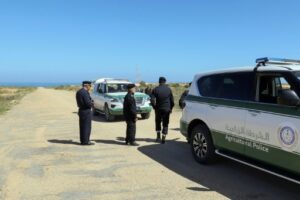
(36, 84)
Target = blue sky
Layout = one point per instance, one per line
(72, 40)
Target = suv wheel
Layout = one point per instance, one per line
(202, 145)
(109, 117)
(145, 115)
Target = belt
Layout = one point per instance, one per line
(84, 108)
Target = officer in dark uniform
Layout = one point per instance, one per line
(85, 103)
(163, 102)
(183, 96)
(148, 90)
(130, 114)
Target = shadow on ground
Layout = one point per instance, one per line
(101, 118)
(226, 177)
(115, 142)
(121, 141)
(63, 142)
(137, 139)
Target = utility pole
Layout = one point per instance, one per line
(138, 74)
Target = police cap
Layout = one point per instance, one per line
(130, 86)
(86, 83)
(162, 80)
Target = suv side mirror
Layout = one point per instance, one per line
(288, 98)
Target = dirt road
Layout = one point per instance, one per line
(41, 159)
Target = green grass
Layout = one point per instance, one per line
(10, 96)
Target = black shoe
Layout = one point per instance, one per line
(158, 137)
(134, 144)
(126, 142)
(87, 144)
(163, 141)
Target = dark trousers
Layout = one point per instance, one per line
(162, 117)
(85, 125)
(130, 131)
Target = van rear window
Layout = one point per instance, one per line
(236, 86)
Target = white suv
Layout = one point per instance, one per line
(108, 95)
(250, 115)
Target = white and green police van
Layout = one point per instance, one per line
(250, 115)
(108, 95)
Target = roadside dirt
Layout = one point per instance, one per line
(41, 159)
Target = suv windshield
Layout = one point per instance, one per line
(116, 87)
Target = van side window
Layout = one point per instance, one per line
(269, 86)
(208, 85)
(101, 88)
(235, 86)
(95, 90)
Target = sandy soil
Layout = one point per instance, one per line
(41, 159)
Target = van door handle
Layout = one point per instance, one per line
(254, 113)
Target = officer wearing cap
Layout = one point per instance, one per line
(130, 114)
(163, 102)
(85, 103)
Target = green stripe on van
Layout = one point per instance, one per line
(289, 161)
(248, 105)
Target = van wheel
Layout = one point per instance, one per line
(145, 115)
(202, 145)
(109, 117)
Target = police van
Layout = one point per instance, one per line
(250, 115)
(108, 95)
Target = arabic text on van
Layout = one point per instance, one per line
(248, 132)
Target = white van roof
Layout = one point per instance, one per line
(249, 69)
(112, 80)
(194, 90)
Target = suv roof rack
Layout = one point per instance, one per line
(275, 61)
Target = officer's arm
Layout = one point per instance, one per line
(87, 101)
(132, 108)
(172, 100)
(153, 98)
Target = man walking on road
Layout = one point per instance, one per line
(85, 104)
(129, 110)
(163, 102)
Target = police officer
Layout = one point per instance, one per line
(130, 114)
(163, 102)
(148, 90)
(85, 103)
(183, 96)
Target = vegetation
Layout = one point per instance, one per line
(10, 96)
(143, 84)
(68, 87)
